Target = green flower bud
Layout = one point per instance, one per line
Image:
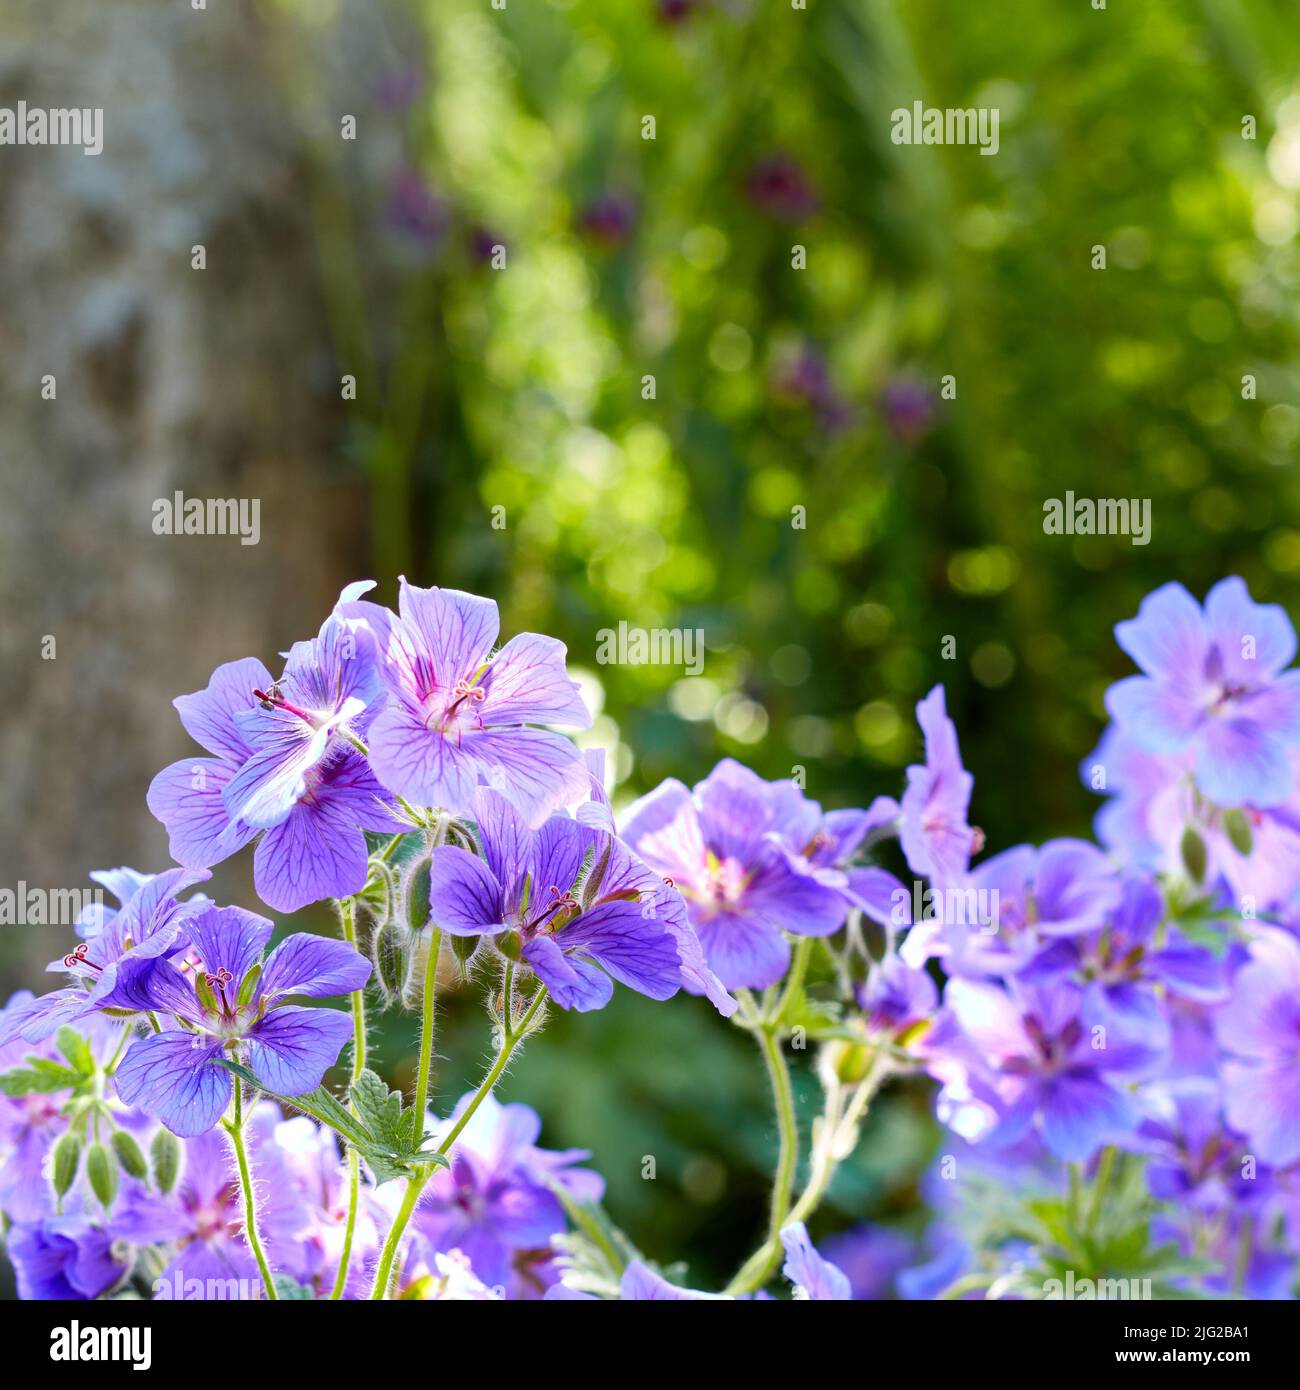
(391, 949)
(1238, 829)
(67, 1159)
(415, 895)
(509, 944)
(463, 948)
(102, 1171)
(165, 1150)
(129, 1154)
(1193, 852)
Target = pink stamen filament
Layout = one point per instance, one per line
(277, 701)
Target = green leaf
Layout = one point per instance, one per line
(76, 1049)
(389, 1152)
(42, 1078)
(379, 1109)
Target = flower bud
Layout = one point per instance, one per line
(129, 1154)
(509, 944)
(1238, 830)
(165, 1150)
(391, 949)
(102, 1171)
(1193, 853)
(415, 895)
(848, 1062)
(67, 1159)
(463, 948)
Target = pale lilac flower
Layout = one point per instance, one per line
(725, 847)
(1215, 686)
(459, 717)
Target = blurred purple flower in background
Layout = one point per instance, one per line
(779, 187)
(909, 408)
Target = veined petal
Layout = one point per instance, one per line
(1233, 618)
(454, 631)
(536, 770)
(188, 798)
(1238, 763)
(637, 951)
(526, 683)
(465, 896)
(318, 966)
(209, 715)
(573, 983)
(421, 763)
(291, 1049)
(1157, 716)
(1167, 638)
(173, 1077)
(316, 853)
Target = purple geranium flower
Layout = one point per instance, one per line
(1196, 1160)
(497, 1203)
(460, 718)
(813, 1276)
(232, 1006)
(149, 925)
(584, 908)
(934, 832)
(1214, 685)
(1131, 970)
(725, 847)
(1259, 1027)
(63, 1258)
(1041, 1044)
(284, 769)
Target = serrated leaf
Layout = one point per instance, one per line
(41, 1079)
(76, 1049)
(379, 1109)
(387, 1159)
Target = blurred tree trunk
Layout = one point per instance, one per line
(215, 382)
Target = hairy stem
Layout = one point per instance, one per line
(235, 1128)
(834, 1138)
(348, 924)
(511, 1037)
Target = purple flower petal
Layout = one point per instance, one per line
(172, 1077)
(573, 983)
(813, 1276)
(317, 966)
(466, 899)
(1167, 638)
(291, 1049)
(527, 683)
(209, 715)
(188, 798)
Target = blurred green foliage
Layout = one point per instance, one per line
(522, 388)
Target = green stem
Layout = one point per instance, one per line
(833, 1140)
(787, 1124)
(428, 1018)
(235, 1128)
(348, 923)
(510, 1039)
(1105, 1168)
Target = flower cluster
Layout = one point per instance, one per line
(1111, 1028)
